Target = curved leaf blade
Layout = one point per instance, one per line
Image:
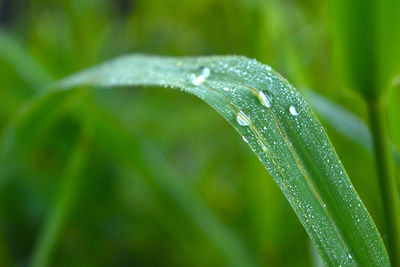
(280, 128)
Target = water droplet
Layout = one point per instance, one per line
(293, 110)
(226, 89)
(197, 80)
(205, 72)
(244, 139)
(350, 257)
(265, 98)
(243, 119)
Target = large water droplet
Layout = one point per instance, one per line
(243, 119)
(265, 98)
(197, 80)
(205, 72)
(293, 110)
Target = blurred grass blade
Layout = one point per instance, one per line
(345, 123)
(144, 156)
(24, 65)
(342, 120)
(168, 180)
(29, 124)
(315, 257)
(353, 43)
(58, 216)
(366, 40)
(280, 128)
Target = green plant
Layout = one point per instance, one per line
(151, 177)
(369, 69)
(281, 129)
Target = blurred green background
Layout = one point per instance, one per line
(149, 176)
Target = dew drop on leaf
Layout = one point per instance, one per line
(244, 139)
(293, 110)
(265, 98)
(243, 119)
(205, 72)
(197, 80)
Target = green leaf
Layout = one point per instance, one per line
(66, 197)
(366, 40)
(280, 128)
(23, 64)
(29, 125)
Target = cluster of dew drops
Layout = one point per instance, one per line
(264, 96)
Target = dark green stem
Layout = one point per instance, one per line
(63, 204)
(387, 177)
(58, 216)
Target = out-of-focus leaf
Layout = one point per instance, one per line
(146, 156)
(30, 123)
(345, 122)
(366, 40)
(24, 65)
(65, 199)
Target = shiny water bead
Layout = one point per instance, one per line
(293, 110)
(205, 72)
(243, 119)
(265, 98)
(197, 80)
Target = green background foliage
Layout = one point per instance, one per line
(129, 208)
